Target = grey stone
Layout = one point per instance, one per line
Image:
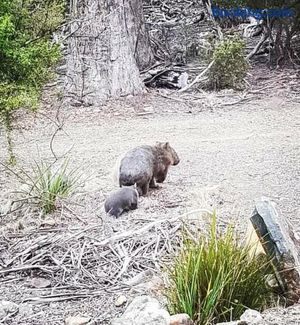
(25, 310)
(143, 310)
(7, 307)
(180, 319)
(40, 283)
(252, 317)
(6, 208)
(155, 284)
(137, 279)
(121, 300)
(48, 222)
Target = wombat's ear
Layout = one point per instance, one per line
(134, 185)
(167, 145)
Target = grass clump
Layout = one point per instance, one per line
(230, 64)
(51, 185)
(215, 279)
(46, 184)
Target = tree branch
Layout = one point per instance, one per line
(198, 78)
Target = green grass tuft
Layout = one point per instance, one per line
(215, 279)
(46, 184)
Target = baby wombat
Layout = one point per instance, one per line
(126, 198)
(144, 165)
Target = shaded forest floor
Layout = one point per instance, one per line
(234, 147)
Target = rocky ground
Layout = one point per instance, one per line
(234, 148)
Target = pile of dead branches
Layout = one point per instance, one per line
(178, 28)
(85, 262)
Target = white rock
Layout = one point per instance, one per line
(40, 283)
(25, 310)
(252, 317)
(7, 307)
(154, 285)
(48, 222)
(137, 279)
(77, 320)
(143, 310)
(180, 319)
(6, 208)
(121, 300)
(183, 80)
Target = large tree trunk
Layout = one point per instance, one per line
(105, 36)
(140, 41)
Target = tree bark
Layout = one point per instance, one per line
(102, 46)
(140, 41)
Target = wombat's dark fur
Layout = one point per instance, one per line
(122, 200)
(144, 165)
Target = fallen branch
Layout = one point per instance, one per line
(198, 78)
(239, 101)
(62, 297)
(135, 232)
(30, 250)
(28, 267)
(263, 38)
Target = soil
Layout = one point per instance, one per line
(235, 147)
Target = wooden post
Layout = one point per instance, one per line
(278, 241)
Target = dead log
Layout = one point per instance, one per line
(171, 76)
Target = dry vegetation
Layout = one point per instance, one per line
(240, 146)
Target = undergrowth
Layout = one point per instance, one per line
(215, 279)
(230, 64)
(27, 55)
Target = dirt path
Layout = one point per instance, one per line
(241, 154)
(229, 158)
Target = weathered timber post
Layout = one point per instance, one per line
(278, 241)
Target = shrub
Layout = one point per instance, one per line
(230, 64)
(26, 53)
(215, 278)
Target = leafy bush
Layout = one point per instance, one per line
(26, 53)
(230, 64)
(214, 279)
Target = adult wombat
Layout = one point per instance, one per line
(144, 165)
(122, 200)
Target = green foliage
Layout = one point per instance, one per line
(215, 279)
(230, 64)
(46, 184)
(26, 52)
